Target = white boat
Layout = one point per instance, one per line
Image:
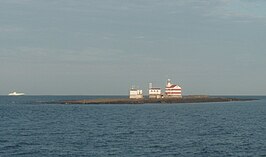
(16, 94)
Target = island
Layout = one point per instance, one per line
(184, 99)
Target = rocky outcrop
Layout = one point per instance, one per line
(186, 99)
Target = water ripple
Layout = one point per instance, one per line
(207, 129)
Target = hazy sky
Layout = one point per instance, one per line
(105, 46)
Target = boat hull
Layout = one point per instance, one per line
(15, 94)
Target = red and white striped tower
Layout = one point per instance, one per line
(172, 90)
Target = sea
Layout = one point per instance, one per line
(40, 126)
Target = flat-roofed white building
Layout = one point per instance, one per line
(172, 90)
(154, 92)
(135, 93)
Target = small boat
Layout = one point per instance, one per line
(16, 94)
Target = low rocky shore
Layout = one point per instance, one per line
(185, 99)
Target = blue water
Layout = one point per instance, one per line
(31, 127)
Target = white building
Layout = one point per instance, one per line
(135, 93)
(172, 90)
(154, 92)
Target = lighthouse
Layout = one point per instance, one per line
(172, 90)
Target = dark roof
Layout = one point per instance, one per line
(172, 86)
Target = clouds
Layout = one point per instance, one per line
(240, 11)
(10, 29)
(89, 56)
(129, 40)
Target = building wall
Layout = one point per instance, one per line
(135, 94)
(173, 93)
(155, 96)
(155, 93)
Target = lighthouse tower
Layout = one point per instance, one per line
(172, 90)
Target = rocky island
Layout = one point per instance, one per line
(184, 99)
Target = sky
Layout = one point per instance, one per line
(103, 47)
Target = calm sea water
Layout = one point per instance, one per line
(31, 127)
